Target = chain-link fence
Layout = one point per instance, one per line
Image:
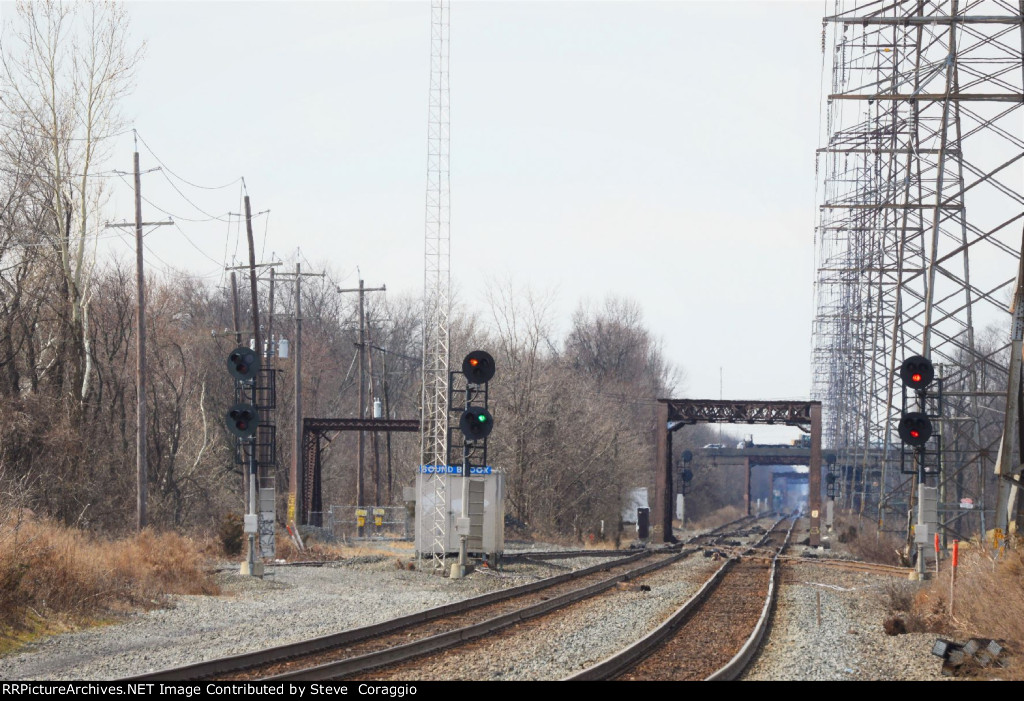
(350, 522)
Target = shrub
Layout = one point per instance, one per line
(50, 571)
(232, 533)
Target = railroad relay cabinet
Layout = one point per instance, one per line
(486, 512)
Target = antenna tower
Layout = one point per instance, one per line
(437, 283)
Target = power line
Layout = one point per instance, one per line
(193, 244)
(185, 197)
(187, 182)
(172, 214)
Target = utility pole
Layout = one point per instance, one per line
(270, 322)
(252, 279)
(373, 436)
(141, 467)
(238, 331)
(235, 315)
(362, 290)
(263, 383)
(296, 486)
(296, 479)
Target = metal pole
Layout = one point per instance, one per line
(464, 531)
(814, 477)
(252, 504)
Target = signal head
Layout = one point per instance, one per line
(915, 428)
(687, 475)
(478, 367)
(476, 423)
(242, 420)
(243, 363)
(917, 372)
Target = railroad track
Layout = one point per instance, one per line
(412, 661)
(852, 565)
(714, 634)
(438, 627)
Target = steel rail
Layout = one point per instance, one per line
(281, 653)
(562, 554)
(401, 653)
(623, 660)
(734, 667)
(374, 660)
(854, 565)
(233, 663)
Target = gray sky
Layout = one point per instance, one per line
(658, 151)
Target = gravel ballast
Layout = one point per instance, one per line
(293, 603)
(849, 643)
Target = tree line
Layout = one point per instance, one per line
(574, 408)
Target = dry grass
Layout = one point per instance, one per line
(286, 550)
(717, 518)
(913, 608)
(988, 597)
(861, 538)
(316, 551)
(53, 576)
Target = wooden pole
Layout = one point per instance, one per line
(373, 435)
(235, 313)
(296, 489)
(142, 477)
(252, 280)
(253, 459)
(141, 471)
(360, 494)
(271, 351)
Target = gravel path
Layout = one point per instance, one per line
(292, 603)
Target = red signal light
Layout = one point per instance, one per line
(917, 372)
(915, 428)
(474, 361)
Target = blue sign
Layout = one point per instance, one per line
(454, 470)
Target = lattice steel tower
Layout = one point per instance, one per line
(437, 282)
(918, 241)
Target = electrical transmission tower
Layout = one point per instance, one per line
(918, 244)
(437, 286)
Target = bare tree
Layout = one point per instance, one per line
(64, 69)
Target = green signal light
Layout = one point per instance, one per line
(482, 418)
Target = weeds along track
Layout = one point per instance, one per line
(347, 652)
(716, 633)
